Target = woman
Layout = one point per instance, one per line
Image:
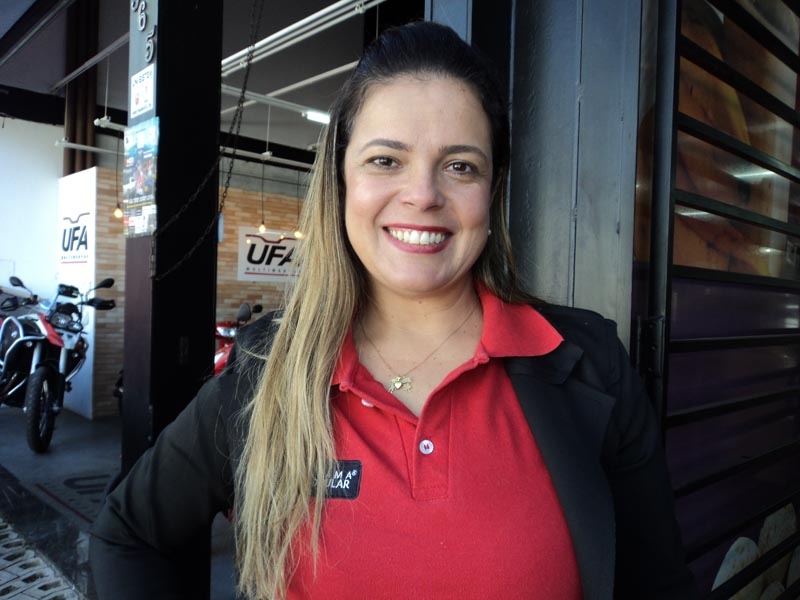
(385, 448)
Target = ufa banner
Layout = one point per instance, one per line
(265, 256)
(77, 215)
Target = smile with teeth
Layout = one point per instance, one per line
(416, 237)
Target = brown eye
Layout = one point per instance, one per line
(385, 162)
(461, 167)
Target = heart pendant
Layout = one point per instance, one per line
(400, 382)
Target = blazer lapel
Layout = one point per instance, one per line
(568, 418)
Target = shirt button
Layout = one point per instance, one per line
(426, 447)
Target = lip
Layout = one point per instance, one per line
(412, 234)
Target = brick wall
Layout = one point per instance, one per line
(109, 262)
(242, 207)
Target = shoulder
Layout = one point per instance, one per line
(259, 332)
(593, 333)
(578, 323)
(253, 342)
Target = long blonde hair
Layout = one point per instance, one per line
(288, 451)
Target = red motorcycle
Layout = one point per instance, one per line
(42, 347)
(225, 333)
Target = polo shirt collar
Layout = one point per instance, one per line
(508, 330)
(514, 329)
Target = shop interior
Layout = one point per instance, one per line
(707, 216)
(268, 138)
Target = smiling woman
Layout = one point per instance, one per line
(418, 190)
(406, 371)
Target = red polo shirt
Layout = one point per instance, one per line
(455, 503)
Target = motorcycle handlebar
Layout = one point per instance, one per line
(69, 291)
(15, 302)
(101, 303)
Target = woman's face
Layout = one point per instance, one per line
(418, 178)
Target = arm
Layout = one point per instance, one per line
(650, 557)
(155, 526)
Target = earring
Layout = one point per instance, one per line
(489, 232)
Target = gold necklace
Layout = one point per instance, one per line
(404, 382)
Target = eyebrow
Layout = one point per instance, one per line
(452, 149)
(465, 149)
(393, 144)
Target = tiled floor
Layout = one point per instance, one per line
(48, 502)
(26, 573)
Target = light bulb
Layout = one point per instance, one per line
(298, 235)
(262, 228)
(118, 212)
(317, 116)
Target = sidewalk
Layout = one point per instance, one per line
(48, 502)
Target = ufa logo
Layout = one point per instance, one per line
(75, 239)
(266, 252)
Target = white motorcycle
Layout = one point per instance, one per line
(42, 347)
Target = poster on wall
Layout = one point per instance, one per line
(265, 256)
(139, 178)
(143, 88)
(77, 213)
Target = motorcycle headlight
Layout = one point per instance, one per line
(227, 332)
(75, 326)
(60, 320)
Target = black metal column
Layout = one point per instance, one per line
(171, 274)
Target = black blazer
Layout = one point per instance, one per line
(599, 437)
(584, 403)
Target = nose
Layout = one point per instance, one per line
(423, 189)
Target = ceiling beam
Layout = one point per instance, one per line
(120, 42)
(298, 85)
(36, 18)
(296, 32)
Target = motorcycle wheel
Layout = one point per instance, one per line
(40, 397)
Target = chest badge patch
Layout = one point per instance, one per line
(345, 481)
